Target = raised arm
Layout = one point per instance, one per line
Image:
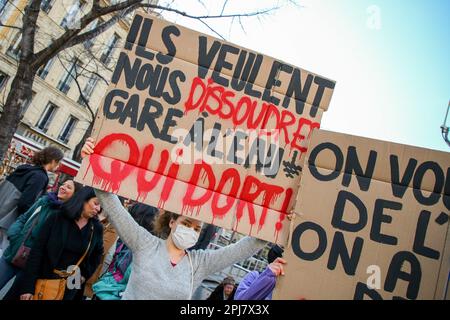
(131, 233)
(211, 261)
(256, 286)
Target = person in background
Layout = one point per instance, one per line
(109, 240)
(206, 235)
(113, 282)
(24, 231)
(224, 291)
(259, 286)
(20, 190)
(126, 202)
(62, 242)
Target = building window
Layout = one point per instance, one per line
(46, 5)
(112, 43)
(67, 130)
(44, 70)
(66, 80)
(6, 7)
(3, 4)
(14, 47)
(88, 89)
(71, 17)
(47, 117)
(94, 24)
(3, 80)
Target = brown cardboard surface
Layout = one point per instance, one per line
(316, 278)
(382, 171)
(261, 199)
(443, 289)
(187, 44)
(263, 223)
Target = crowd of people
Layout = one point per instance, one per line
(82, 243)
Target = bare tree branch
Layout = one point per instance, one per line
(99, 75)
(100, 29)
(184, 14)
(223, 8)
(242, 26)
(29, 29)
(75, 78)
(210, 28)
(231, 26)
(67, 37)
(94, 59)
(9, 26)
(96, 5)
(14, 5)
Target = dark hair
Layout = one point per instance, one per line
(274, 253)
(74, 206)
(77, 186)
(47, 155)
(161, 225)
(144, 215)
(228, 280)
(122, 200)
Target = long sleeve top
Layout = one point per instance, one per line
(153, 276)
(256, 286)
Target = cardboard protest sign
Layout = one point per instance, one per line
(373, 222)
(201, 127)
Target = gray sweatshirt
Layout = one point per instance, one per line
(153, 277)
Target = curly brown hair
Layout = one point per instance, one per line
(47, 155)
(161, 226)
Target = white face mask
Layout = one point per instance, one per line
(184, 237)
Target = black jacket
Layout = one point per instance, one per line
(49, 247)
(205, 237)
(217, 294)
(31, 181)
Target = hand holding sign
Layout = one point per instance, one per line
(88, 148)
(277, 267)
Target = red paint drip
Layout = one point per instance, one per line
(87, 170)
(145, 186)
(161, 204)
(229, 175)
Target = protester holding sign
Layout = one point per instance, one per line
(191, 123)
(71, 237)
(163, 269)
(109, 240)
